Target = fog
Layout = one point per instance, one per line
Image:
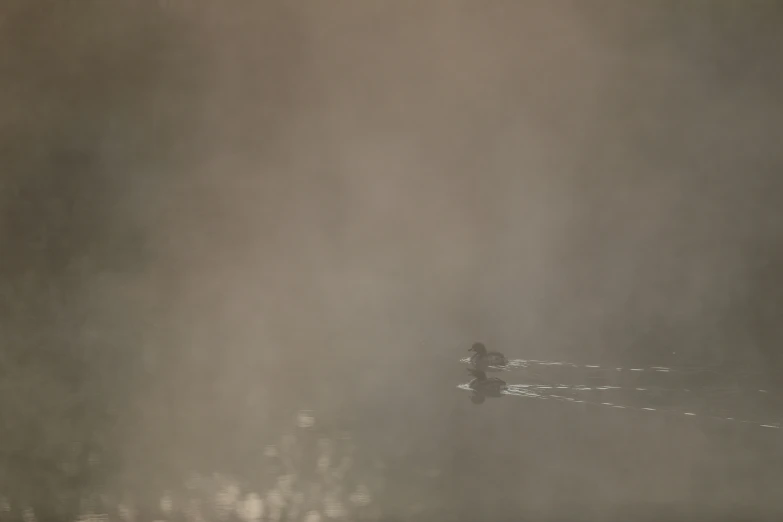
(217, 215)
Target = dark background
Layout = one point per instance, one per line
(214, 215)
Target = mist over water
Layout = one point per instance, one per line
(215, 217)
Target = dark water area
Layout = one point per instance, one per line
(244, 249)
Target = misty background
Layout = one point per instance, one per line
(215, 215)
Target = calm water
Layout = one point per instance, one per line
(568, 442)
(639, 446)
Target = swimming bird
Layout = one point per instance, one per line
(482, 358)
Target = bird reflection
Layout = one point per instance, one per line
(482, 386)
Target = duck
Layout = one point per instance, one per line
(483, 358)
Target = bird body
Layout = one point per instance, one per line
(483, 358)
